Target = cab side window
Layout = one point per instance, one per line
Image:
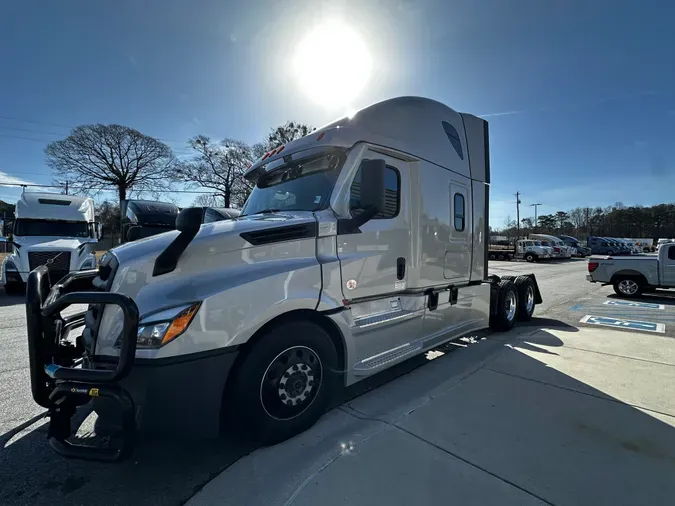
(392, 199)
(671, 253)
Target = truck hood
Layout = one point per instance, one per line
(213, 238)
(41, 243)
(217, 260)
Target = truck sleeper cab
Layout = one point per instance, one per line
(361, 245)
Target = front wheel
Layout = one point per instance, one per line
(529, 257)
(285, 382)
(628, 287)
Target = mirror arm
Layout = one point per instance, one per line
(351, 225)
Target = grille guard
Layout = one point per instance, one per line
(57, 383)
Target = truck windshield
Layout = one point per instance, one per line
(298, 185)
(53, 228)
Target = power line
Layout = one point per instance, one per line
(31, 131)
(33, 121)
(110, 188)
(62, 126)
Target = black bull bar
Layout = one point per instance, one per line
(60, 380)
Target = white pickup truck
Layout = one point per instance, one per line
(632, 275)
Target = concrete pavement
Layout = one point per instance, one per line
(557, 415)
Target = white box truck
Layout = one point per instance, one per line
(362, 244)
(55, 230)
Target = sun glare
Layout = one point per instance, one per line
(332, 65)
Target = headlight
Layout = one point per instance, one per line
(10, 267)
(89, 263)
(158, 333)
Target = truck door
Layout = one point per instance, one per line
(457, 266)
(375, 262)
(667, 263)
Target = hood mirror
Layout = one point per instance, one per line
(189, 220)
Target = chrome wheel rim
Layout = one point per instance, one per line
(628, 287)
(291, 383)
(510, 306)
(529, 305)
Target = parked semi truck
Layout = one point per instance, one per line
(55, 230)
(526, 249)
(361, 245)
(630, 276)
(145, 218)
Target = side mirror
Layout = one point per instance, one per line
(372, 186)
(371, 196)
(99, 231)
(189, 220)
(2, 228)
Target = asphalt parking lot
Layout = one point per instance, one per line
(170, 472)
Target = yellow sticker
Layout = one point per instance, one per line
(93, 392)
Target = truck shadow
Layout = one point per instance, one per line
(503, 395)
(10, 300)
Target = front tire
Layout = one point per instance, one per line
(285, 382)
(628, 287)
(529, 257)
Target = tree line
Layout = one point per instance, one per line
(616, 220)
(95, 158)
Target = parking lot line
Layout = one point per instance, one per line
(646, 305)
(608, 321)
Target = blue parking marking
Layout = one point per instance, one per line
(608, 321)
(647, 305)
(576, 308)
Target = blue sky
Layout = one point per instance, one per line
(580, 94)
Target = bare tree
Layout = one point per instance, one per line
(208, 200)
(95, 157)
(286, 133)
(219, 166)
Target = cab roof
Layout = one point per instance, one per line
(421, 127)
(54, 206)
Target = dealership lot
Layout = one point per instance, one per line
(572, 402)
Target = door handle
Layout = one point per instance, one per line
(400, 268)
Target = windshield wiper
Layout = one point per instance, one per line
(264, 211)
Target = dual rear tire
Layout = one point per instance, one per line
(515, 301)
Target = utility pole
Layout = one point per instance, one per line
(518, 213)
(535, 213)
(66, 187)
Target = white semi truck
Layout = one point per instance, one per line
(362, 244)
(55, 230)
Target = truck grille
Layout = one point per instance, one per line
(60, 260)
